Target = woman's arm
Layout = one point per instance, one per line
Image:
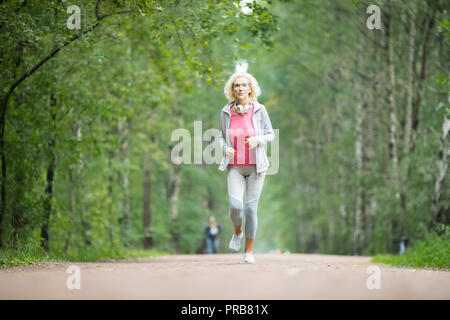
(222, 140)
(267, 130)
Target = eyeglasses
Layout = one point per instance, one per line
(239, 85)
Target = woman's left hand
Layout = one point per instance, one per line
(252, 142)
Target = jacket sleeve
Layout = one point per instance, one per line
(267, 129)
(222, 140)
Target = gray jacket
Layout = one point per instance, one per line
(263, 132)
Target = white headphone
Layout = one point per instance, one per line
(240, 109)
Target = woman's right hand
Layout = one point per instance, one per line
(230, 152)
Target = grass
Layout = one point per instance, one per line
(21, 256)
(31, 254)
(433, 252)
(106, 254)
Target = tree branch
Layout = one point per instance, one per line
(180, 42)
(51, 55)
(97, 10)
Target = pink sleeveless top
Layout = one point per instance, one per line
(241, 128)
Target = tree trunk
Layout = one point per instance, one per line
(358, 229)
(148, 241)
(124, 177)
(422, 75)
(442, 165)
(69, 240)
(49, 188)
(110, 197)
(409, 85)
(174, 191)
(85, 225)
(210, 204)
(19, 218)
(358, 234)
(394, 124)
(3, 160)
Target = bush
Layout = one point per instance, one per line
(22, 254)
(433, 252)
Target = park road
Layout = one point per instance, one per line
(226, 276)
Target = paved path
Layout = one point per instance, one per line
(225, 276)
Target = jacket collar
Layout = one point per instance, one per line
(226, 109)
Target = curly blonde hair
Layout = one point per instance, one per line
(255, 90)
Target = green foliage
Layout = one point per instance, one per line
(92, 114)
(104, 107)
(22, 253)
(433, 252)
(32, 254)
(106, 254)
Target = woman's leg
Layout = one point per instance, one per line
(236, 188)
(255, 183)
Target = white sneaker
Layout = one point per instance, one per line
(235, 242)
(248, 257)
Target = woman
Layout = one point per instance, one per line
(246, 128)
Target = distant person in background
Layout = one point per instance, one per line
(403, 245)
(212, 232)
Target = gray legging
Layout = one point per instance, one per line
(246, 179)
